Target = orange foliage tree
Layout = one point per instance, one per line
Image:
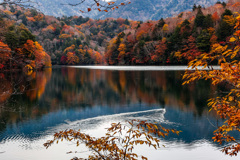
(190, 51)
(119, 140)
(122, 50)
(98, 58)
(5, 54)
(34, 55)
(72, 58)
(227, 106)
(158, 55)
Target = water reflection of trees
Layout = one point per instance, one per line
(19, 94)
(82, 87)
(64, 88)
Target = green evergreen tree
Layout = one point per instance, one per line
(161, 23)
(11, 39)
(194, 7)
(198, 22)
(224, 30)
(208, 22)
(127, 22)
(202, 40)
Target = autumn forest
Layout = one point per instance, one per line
(173, 80)
(32, 40)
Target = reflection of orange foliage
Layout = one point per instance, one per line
(71, 76)
(5, 90)
(151, 88)
(122, 80)
(98, 74)
(111, 82)
(38, 88)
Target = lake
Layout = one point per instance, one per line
(34, 106)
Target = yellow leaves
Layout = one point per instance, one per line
(72, 58)
(165, 27)
(230, 98)
(217, 48)
(178, 55)
(119, 141)
(64, 36)
(232, 39)
(121, 49)
(211, 30)
(227, 105)
(71, 48)
(28, 67)
(235, 52)
(229, 19)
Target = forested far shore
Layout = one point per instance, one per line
(31, 40)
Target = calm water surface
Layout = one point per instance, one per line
(34, 106)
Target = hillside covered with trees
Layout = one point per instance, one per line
(30, 39)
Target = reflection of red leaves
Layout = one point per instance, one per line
(2, 75)
(1, 66)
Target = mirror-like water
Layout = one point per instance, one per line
(33, 107)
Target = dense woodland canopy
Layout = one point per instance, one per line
(31, 35)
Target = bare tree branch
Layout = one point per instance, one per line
(101, 6)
